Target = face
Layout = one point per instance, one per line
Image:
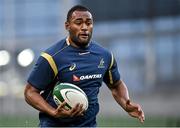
(80, 28)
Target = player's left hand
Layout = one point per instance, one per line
(135, 110)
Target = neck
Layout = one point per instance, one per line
(70, 42)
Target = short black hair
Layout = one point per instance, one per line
(76, 8)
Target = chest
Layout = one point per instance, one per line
(82, 67)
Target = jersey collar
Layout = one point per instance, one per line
(67, 41)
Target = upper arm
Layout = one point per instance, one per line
(29, 91)
(115, 85)
(112, 75)
(42, 74)
(30, 88)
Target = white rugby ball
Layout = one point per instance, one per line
(71, 94)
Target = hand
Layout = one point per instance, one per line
(135, 110)
(62, 112)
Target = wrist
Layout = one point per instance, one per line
(52, 112)
(127, 105)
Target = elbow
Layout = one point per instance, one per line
(26, 94)
(29, 91)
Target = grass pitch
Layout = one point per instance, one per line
(29, 121)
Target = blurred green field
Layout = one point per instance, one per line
(27, 121)
(131, 122)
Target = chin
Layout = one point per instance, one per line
(83, 45)
(81, 42)
(84, 42)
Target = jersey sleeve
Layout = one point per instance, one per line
(112, 75)
(41, 75)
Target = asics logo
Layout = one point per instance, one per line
(72, 67)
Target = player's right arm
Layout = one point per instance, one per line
(40, 78)
(33, 98)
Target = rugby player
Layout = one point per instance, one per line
(81, 61)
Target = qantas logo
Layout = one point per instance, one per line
(87, 77)
(75, 78)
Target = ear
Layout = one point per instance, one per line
(67, 25)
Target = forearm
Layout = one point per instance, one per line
(120, 94)
(33, 98)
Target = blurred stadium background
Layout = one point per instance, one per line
(144, 36)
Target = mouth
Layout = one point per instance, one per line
(84, 35)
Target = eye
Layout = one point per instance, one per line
(77, 22)
(88, 22)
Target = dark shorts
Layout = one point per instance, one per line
(78, 122)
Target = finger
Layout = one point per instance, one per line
(75, 110)
(135, 114)
(141, 116)
(81, 110)
(78, 111)
(62, 105)
(140, 119)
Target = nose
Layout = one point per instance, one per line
(84, 26)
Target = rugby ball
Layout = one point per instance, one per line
(71, 94)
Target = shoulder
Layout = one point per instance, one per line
(99, 48)
(56, 48)
(107, 54)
